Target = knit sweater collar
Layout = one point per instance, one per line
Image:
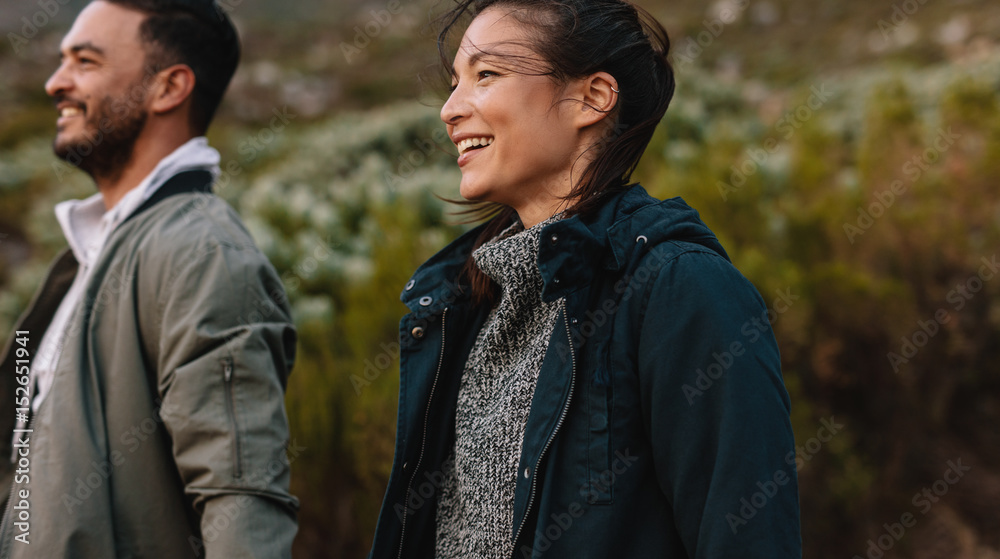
(511, 258)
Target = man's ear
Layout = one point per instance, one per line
(174, 86)
(599, 97)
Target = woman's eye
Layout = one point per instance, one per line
(481, 75)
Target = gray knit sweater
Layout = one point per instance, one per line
(476, 511)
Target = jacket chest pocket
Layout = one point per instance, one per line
(599, 402)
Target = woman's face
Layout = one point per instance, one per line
(517, 142)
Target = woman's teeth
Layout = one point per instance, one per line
(467, 144)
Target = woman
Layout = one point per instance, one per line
(586, 374)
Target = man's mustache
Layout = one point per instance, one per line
(61, 99)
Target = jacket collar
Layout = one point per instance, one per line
(434, 285)
(87, 225)
(573, 250)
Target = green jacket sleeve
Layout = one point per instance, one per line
(225, 350)
(717, 410)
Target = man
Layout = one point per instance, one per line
(141, 398)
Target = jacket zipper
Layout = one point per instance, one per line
(562, 418)
(227, 377)
(423, 441)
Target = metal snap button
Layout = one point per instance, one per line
(554, 238)
(417, 332)
(410, 284)
(527, 473)
(426, 300)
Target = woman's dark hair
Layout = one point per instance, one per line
(575, 39)
(197, 33)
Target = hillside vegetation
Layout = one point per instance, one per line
(850, 171)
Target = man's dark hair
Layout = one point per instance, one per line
(197, 33)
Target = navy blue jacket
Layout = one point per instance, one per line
(660, 423)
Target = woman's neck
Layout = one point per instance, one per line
(537, 211)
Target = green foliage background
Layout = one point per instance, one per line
(821, 111)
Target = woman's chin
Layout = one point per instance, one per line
(474, 191)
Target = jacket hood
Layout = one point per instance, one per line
(575, 249)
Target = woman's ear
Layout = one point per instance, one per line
(599, 95)
(174, 86)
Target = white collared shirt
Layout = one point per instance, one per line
(87, 226)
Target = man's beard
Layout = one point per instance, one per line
(106, 144)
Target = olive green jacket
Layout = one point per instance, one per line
(164, 433)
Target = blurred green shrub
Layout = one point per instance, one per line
(874, 209)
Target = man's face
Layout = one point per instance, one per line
(99, 90)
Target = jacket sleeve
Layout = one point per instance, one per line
(226, 347)
(717, 410)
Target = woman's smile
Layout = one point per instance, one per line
(470, 147)
(516, 139)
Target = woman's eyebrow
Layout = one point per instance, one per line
(473, 58)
